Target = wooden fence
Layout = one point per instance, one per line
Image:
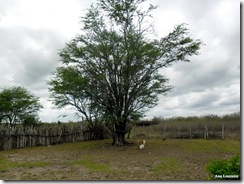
(20, 137)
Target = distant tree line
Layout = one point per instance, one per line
(212, 117)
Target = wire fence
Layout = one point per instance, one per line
(188, 131)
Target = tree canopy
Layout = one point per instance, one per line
(111, 70)
(17, 105)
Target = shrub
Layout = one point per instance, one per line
(30, 120)
(225, 169)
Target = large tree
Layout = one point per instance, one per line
(116, 65)
(17, 105)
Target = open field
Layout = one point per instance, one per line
(173, 159)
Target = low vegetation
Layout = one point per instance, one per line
(91, 165)
(224, 169)
(172, 159)
(5, 165)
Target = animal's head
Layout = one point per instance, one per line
(143, 141)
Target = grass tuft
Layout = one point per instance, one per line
(91, 165)
(5, 165)
(168, 164)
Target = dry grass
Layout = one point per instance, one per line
(172, 159)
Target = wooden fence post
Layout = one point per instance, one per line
(150, 129)
(164, 130)
(223, 131)
(179, 131)
(190, 131)
(206, 132)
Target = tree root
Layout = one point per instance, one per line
(125, 143)
(118, 144)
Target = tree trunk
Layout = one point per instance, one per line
(119, 135)
(119, 138)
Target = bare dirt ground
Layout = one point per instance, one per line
(173, 159)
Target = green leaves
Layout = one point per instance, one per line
(178, 46)
(113, 68)
(225, 169)
(16, 103)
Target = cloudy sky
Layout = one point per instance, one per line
(32, 32)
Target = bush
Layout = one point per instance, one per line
(225, 169)
(30, 120)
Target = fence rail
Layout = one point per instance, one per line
(20, 137)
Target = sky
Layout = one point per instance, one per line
(33, 32)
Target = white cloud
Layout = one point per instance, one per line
(62, 16)
(52, 114)
(32, 32)
(217, 100)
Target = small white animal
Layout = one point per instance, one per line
(142, 144)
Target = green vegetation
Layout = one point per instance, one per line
(31, 164)
(218, 127)
(91, 165)
(3, 164)
(190, 120)
(172, 159)
(18, 106)
(111, 70)
(225, 169)
(168, 164)
(6, 165)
